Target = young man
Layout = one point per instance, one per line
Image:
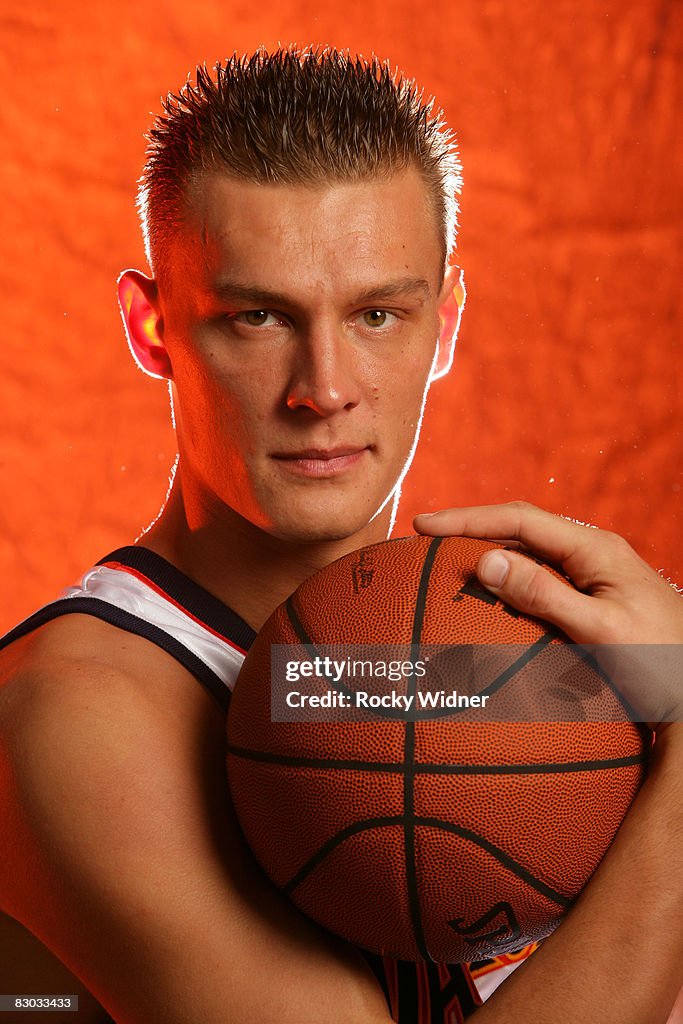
(299, 212)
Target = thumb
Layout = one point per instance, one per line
(539, 591)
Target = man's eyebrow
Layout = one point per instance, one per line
(260, 297)
(416, 286)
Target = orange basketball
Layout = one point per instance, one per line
(417, 828)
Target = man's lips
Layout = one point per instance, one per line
(322, 461)
(321, 453)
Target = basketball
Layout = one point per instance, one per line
(451, 800)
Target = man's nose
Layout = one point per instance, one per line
(324, 374)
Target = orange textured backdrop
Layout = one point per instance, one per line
(566, 385)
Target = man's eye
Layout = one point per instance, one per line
(256, 317)
(377, 318)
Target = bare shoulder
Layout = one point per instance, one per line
(89, 650)
(95, 726)
(113, 787)
(81, 699)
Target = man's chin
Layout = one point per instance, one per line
(305, 537)
(349, 534)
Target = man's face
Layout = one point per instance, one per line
(301, 324)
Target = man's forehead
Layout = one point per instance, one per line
(236, 226)
(211, 189)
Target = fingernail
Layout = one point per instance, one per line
(494, 569)
(426, 515)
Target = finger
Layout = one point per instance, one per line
(552, 537)
(515, 520)
(535, 590)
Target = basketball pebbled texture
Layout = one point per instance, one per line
(434, 839)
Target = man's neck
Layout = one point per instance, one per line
(245, 567)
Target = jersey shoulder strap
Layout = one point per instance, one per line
(140, 592)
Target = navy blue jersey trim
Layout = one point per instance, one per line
(408, 993)
(185, 592)
(132, 624)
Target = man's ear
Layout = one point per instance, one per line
(451, 303)
(139, 302)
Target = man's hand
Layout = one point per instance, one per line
(620, 604)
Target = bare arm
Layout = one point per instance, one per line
(121, 855)
(618, 957)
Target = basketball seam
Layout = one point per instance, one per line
(409, 760)
(339, 837)
(393, 767)
(501, 856)
(505, 859)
